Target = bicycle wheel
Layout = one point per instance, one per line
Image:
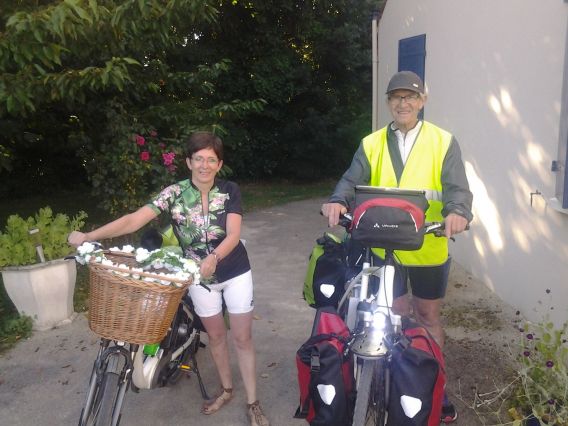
(370, 403)
(104, 390)
(108, 393)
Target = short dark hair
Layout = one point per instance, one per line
(204, 140)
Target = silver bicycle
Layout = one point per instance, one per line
(376, 330)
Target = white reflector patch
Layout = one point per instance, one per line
(410, 405)
(327, 393)
(327, 290)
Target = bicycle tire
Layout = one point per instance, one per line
(380, 391)
(370, 402)
(108, 393)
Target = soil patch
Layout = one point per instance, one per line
(481, 337)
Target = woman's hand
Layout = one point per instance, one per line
(208, 266)
(77, 238)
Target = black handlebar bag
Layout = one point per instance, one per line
(389, 218)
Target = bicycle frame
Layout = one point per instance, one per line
(373, 324)
(380, 315)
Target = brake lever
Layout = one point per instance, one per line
(205, 286)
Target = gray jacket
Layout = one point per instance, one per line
(456, 195)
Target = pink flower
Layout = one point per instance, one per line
(140, 140)
(162, 145)
(153, 133)
(168, 158)
(145, 156)
(172, 168)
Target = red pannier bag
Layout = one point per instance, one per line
(325, 372)
(418, 379)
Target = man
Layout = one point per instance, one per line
(414, 154)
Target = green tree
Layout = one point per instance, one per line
(287, 83)
(79, 78)
(311, 61)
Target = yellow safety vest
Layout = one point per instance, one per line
(423, 170)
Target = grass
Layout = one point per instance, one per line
(262, 195)
(254, 196)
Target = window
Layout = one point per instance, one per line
(412, 56)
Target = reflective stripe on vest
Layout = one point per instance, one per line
(423, 170)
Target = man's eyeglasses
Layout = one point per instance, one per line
(201, 160)
(397, 99)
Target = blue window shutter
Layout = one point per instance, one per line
(565, 187)
(412, 57)
(412, 54)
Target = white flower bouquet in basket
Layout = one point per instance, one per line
(160, 266)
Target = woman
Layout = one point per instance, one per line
(206, 216)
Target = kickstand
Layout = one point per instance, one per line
(201, 384)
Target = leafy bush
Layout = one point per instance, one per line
(13, 328)
(133, 166)
(542, 388)
(16, 246)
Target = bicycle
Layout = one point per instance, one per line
(120, 364)
(376, 329)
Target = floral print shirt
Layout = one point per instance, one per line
(197, 233)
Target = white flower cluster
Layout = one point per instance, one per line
(88, 251)
(178, 268)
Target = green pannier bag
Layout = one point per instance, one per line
(325, 277)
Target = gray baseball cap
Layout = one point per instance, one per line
(406, 80)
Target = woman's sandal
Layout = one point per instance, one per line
(215, 403)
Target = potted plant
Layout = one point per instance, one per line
(37, 278)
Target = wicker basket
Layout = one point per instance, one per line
(128, 309)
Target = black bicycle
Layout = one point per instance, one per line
(120, 365)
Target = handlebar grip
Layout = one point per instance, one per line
(345, 221)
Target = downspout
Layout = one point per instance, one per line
(375, 53)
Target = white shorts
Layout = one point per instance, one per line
(237, 293)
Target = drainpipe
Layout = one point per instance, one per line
(375, 53)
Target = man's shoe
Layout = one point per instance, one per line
(449, 413)
(256, 416)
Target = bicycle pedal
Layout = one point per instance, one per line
(187, 368)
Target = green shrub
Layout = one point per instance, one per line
(542, 366)
(17, 247)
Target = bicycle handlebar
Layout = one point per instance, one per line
(436, 228)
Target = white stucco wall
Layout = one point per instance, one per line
(494, 72)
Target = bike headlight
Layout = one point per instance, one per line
(379, 321)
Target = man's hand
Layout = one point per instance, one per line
(454, 224)
(332, 211)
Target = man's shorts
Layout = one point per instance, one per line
(426, 282)
(237, 292)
